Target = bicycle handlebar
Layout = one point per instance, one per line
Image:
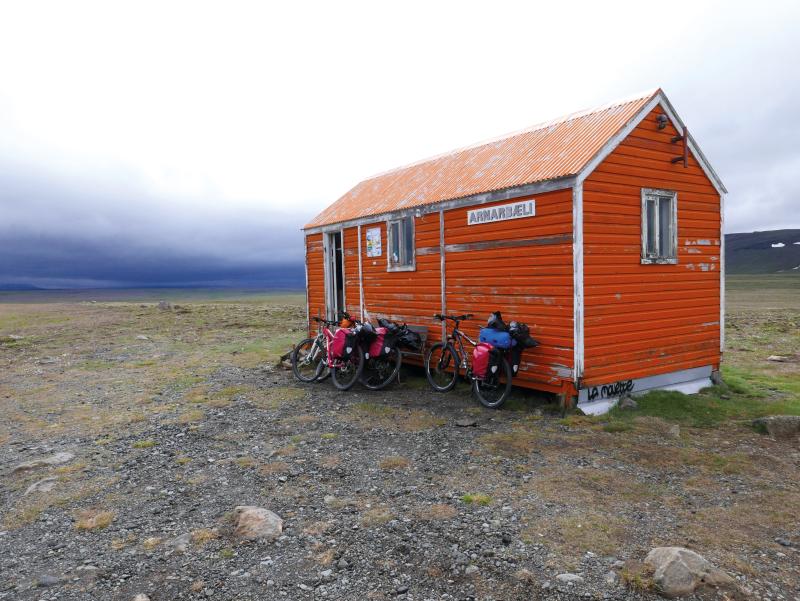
(464, 317)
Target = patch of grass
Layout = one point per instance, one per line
(245, 462)
(329, 436)
(394, 462)
(618, 426)
(375, 409)
(183, 460)
(437, 511)
(509, 444)
(637, 577)
(227, 553)
(274, 467)
(711, 407)
(203, 535)
(192, 416)
(376, 516)
(94, 520)
(144, 444)
(151, 543)
(477, 499)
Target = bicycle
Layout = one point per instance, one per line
(312, 356)
(444, 362)
(382, 368)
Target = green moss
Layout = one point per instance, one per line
(477, 499)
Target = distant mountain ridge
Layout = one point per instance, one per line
(775, 251)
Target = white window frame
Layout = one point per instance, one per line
(412, 264)
(648, 193)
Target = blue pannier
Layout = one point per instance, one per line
(496, 338)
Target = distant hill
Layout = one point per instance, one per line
(763, 252)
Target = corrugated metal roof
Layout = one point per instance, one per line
(558, 148)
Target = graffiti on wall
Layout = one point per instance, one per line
(609, 391)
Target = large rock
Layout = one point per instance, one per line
(257, 523)
(679, 571)
(56, 459)
(779, 426)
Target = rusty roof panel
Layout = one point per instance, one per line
(558, 148)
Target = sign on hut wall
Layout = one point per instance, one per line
(514, 210)
(374, 242)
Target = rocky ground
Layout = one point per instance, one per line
(167, 420)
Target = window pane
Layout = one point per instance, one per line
(395, 248)
(650, 240)
(408, 259)
(665, 227)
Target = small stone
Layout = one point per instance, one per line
(507, 540)
(329, 500)
(783, 542)
(164, 306)
(674, 431)
(43, 485)
(524, 575)
(57, 459)
(401, 590)
(342, 564)
(471, 570)
(257, 523)
(781, 427)
(466, 422)
(611, 578)
(778, 358)
(627, 402)
(180, 544)
(141, 597)
(47, 580)
(569, 578)
(142, 337)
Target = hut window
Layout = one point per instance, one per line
(401, 244)
(659, 226)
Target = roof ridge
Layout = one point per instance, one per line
(538, 126)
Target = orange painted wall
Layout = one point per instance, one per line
(532, 284)
(316, 278)
(639, 319)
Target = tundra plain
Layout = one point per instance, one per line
(175, 415)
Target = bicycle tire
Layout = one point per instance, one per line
(297, 362)
(482, 387)
(344, 378)
(393, 362)
(447, 359)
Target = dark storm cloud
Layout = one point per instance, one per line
(57, 232)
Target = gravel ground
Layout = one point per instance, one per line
(383, 496)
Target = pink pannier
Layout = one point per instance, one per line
(376, 349)
(344, 340)
(481, 357)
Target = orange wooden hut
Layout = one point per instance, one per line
(602, 230)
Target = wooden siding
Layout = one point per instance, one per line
(642, 320)
(316, 278)
(530, 281)
(410, 296)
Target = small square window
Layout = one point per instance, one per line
(659, 226)
(401, 244)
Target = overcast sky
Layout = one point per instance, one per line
(187, 142)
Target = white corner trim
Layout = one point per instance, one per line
(577, 278)
(360, 279)
(308, 306)
(721, 273)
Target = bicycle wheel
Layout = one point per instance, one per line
(308, 360)
(345, 373)
(493, 390)
(379, 372)
(441, 367)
